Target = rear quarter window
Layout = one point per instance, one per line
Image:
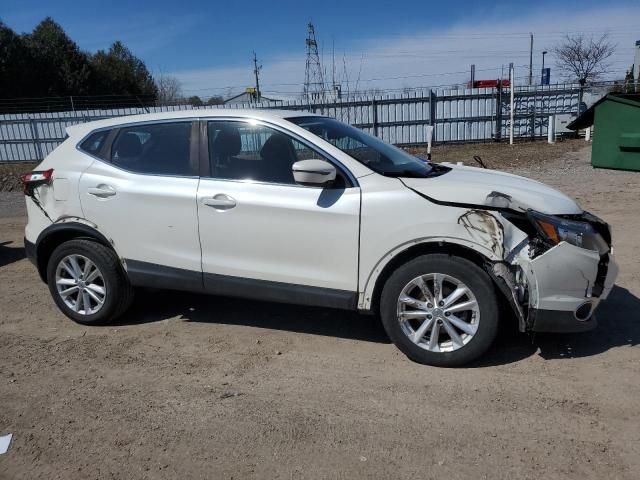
(94, 143)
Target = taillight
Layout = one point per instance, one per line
(35, 179)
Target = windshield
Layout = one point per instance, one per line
(379, 156)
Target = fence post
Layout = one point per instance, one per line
(432, 114)
(551, 130)
(374, 116)
(498, 127)
(512, 104)
(36, 138)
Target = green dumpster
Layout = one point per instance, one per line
(616, 133)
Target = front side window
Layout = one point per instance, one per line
(159, 149)
(379, 156)
(243, 151)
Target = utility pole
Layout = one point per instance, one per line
(256, 72)
(531, 60)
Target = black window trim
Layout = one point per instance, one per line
(194, 150)
(205, 172)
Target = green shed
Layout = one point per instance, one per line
(616, 133)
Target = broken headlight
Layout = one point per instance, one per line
(554, 230)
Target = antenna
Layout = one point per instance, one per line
(256, 72)
(313, 78)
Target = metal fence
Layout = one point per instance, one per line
(463, 115)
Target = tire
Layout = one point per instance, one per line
(480, 318)
(110, 283)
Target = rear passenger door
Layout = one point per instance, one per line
(141, 193)
(265, 236)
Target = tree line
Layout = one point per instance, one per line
(47, 63)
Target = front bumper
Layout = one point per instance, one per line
(561, 282)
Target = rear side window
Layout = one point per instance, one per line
(158, 149)
(94, 143)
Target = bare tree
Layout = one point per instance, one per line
(169, 90)
(215, 100)
(584, 58)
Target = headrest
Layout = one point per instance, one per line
(129, 145)
(277, 145)
(227, 142)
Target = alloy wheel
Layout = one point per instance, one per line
(80, 284)
(438, 312)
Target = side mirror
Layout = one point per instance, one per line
(313, 172)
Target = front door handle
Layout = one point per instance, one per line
(101, 191)
(220, 201)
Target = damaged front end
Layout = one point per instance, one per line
(555, 269)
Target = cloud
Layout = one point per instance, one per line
(437, 56)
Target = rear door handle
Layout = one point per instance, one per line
(220, 201)
(101, 191)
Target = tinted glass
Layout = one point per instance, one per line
(241, 151)
(160, 149)
(379, 156)
(94, 142)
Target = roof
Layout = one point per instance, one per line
(82, 129)
(588, 117)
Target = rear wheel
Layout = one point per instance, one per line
(440, 310)
(87, 282)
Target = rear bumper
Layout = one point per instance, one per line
(30, 251)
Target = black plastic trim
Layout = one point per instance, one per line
(279, 292)
(71, 226)
(30, 251)
(55, 228)
(557, 321)
(601, 276)
(144, 274)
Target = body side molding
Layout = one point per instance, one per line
(144, 274)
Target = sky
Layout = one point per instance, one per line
(374, 44)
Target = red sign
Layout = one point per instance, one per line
(490, 83)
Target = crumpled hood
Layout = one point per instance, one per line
(477, 186)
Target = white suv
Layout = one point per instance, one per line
(299, 208)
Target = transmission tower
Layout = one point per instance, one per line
(314, 89)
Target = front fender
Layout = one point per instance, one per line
(440, 243)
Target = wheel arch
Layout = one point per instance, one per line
(58, 233)
(370, 299)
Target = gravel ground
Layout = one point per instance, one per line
(12, 204)
(209, 387)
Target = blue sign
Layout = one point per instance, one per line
(546, 76)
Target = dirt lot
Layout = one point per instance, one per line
(206, 387)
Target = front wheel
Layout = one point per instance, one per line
(440, 310)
